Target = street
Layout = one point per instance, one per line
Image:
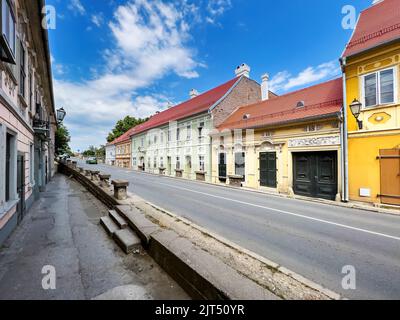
(312, 239)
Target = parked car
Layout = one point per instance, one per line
(91, 160)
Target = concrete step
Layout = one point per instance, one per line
(127, 240)
(109, 225)
(118, 219)
(138, 222)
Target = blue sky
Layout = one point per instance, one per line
(112, 58)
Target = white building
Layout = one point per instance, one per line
(176, 142)
(110, 154)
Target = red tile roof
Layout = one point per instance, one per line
(194, 106)
(124, 138)
(319, 100)
(377, 25)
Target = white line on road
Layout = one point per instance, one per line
(285, 212)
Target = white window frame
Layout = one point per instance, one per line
(202, 163)
(378, 89)
(188, 132)
(7, 205)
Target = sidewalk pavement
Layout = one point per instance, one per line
(62, 230)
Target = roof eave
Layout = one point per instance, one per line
(376, 46)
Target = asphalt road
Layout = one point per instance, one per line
(315, 240)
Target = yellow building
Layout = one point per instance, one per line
(371, 64)
(123, 150)
(288, 144)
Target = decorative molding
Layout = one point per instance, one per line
(315, 142)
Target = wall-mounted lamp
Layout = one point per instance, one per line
(355, 108)
(61, 115)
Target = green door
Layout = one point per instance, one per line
(268, 169)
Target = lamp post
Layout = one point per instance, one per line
(355, 108)
(61, 115)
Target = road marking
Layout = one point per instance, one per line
(286, 212)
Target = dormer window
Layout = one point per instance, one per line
(300, 104)
(379, 88)
(7, 39)
(246, 116)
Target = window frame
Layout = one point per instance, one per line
(22, 71)
(377, 74)
(202, 163)
(9, 51)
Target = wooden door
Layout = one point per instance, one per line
(390, 176)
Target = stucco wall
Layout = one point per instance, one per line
(364, 145)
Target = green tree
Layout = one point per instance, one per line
(62, 139)
(123, 126)
(101, 152)
(91, 152)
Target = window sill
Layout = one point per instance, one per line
(380, 106)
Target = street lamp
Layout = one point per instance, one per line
(355, 108)
(61, 115)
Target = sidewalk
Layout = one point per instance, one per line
(62, 230)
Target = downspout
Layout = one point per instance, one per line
(344, 138)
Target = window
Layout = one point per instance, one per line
(30, 80)
(22, 75)
(9, 140)
(201, 127)
(178, 163)
(188, 132)
(169, 135)
(178, 134)
(142, 142)
(379, 88)
(31, 164)
(201, 163)
(240, 164)
(161, 162)
(7, 38)
(162, 137)
(155, 162)
(155, 139)
(134, 162)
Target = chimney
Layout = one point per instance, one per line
(243, 70)
(265, 87)
(193, 93)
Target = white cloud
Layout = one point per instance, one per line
(97, 19)
(217, 8)
(284, 80)
(77, 7)
(150, 42)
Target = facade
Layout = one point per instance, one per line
(288, 144)
(27, 113)
(371, 66)
(110, 154)
(123, 150)
(176, 142)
